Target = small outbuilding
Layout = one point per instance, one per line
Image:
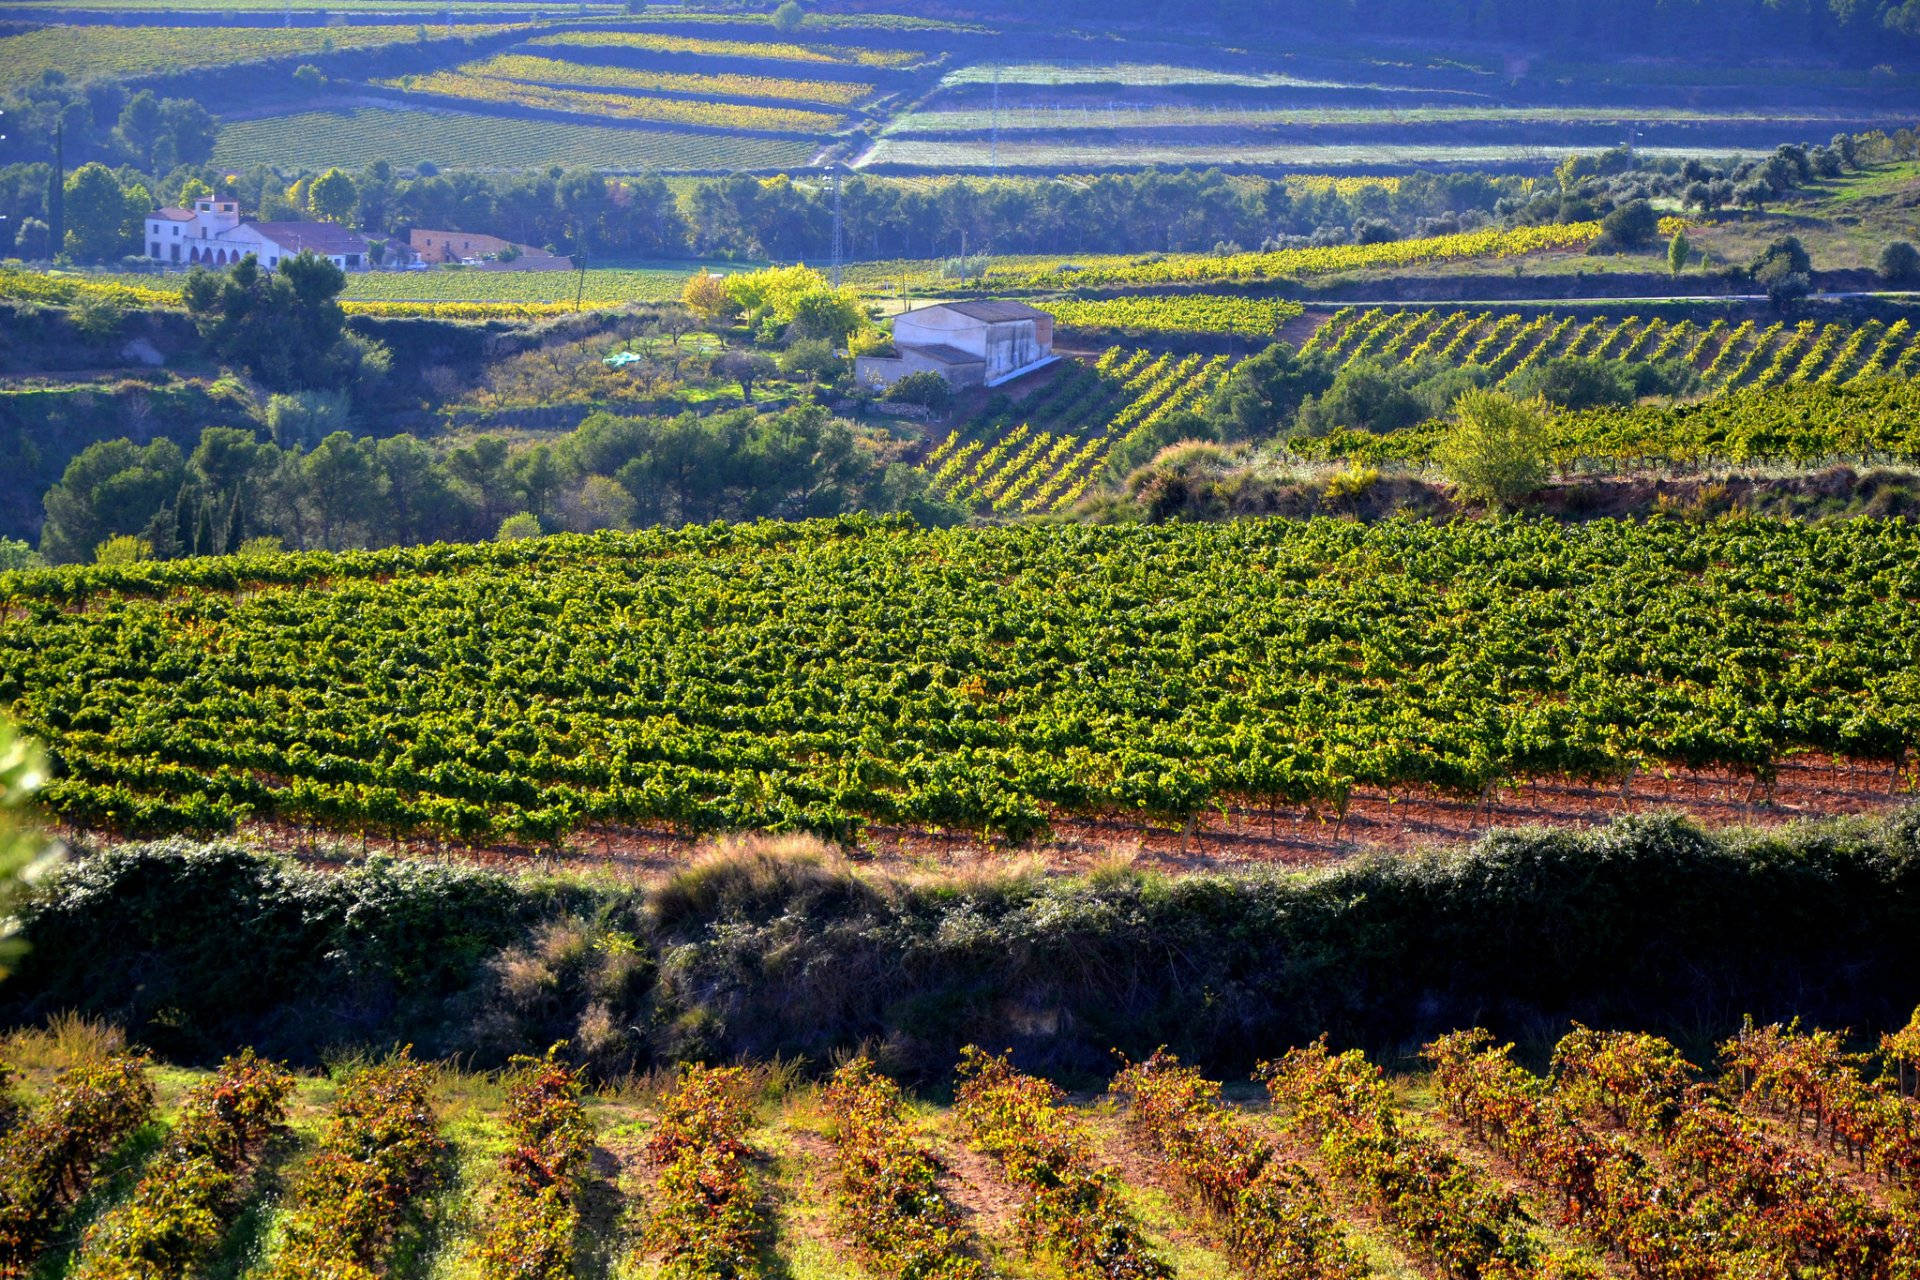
(970, 344)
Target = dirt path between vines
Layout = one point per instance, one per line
(1376, 821)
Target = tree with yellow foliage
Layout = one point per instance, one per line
(706, 296)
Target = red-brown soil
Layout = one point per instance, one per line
(1806, 787)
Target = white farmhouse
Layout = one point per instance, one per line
(970, 344)
(213, 233)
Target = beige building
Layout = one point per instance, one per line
(481, 250)
(970, 344)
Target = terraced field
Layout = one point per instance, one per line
(469, 140)
(703, 48)
(490, 90)
(103, 52)
(556, 71)
(1725, 355)
(1035, 115)
(1044, 454)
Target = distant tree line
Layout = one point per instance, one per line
(602, 218)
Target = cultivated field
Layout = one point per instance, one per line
(1620, 1158)
(355, 136)
(1142, 674)
(106, 52)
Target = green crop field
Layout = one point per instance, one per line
(467, 10)
(651, 42)
(603, 285)
(978, 153)
(98, 53)
(1135, 74)
(1724, 355)
(826, 675)
(461, 140)
(1119, 116)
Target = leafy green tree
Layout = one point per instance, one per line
(1263, 394)
(598, 502)
(98, 221)
(1784, 270)
(113, 487)
(342, 487)
(188, 133)
(15, 553)
(333, 196)
(1574, 382)
(309, 78)
(826, 315)
(1496, 450)
(745, 368)
(927, 389)
(141, 127)
(1679, 250)
(284, 327)
(1364, 396)
(123, 548)
(419, 501)
(302, 419)
(1787, 252)
(1628, 227)
(1900, 263)
(812, 360)
(788, 16)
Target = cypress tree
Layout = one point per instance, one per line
(183, 527)
(57, 192)
(235, 531)
(203, 544)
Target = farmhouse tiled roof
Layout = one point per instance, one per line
(991, 312)
(173, 213)
(321, 237)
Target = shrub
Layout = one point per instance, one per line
(1496, 450)
(1900, 263)
(927, 389)
(522, 524)
(1630, 226)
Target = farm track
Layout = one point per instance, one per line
(1806, 788)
